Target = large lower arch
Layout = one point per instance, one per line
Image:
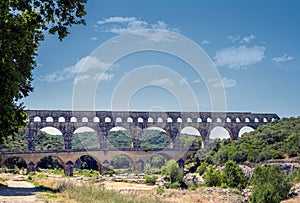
(155, 163)
(220, 133)
(86, 162)
(50, 162)
(14, 162)
(85, 138)
(123, 163)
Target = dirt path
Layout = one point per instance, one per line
(18, 191)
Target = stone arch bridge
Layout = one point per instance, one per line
(135, 122)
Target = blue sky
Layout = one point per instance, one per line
(254, 45)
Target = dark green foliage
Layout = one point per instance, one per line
(121, 162)
(49, 162)
(118, 139)
(213, 177)
(187, 141)
(11, 163)
(154, 139)
(86, 162)
(22, 23)
(11, 145)
(233, 176)
(85, 140)
(274, 140)
(270, 185)
(44, 141)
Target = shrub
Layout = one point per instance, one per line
(150, 180)
(233, 176)
(193, 187)
(270, 185)
(213, 177)
(175, 185)
(202, 168)
(160, 190)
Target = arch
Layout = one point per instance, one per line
(237, 120)
(160, 120)
(247, 120)
(50, 162)
(122, 163)
(61, 119)
(199, 120)
(37, 119)
(49, 138)
(245, 129)
(15, 161)
(256, 120)
(140, 120)
(85, 138)
(154, 137)
(129, 120)
(189, 137)
(118, 137)
(96, 119)
(228, 120)
(73, 119)
(107, 119)
(188, 120)
(219, 120)
(86, 162)
(169, 120)
(150, 120)
(118, 120)
(84, 119)
(273, 119)
(51, 130)
(49, 119)
(208, 120)
(155, 163)
(265, 120)
(179, 120)
(219, 133)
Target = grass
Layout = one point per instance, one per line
(67, 191)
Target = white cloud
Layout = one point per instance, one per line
(121, 25)
(97, 77)
(94, 38)
(234, 38)
(239, 57)
(205, 41)
(247, 39)
(86, 67)
(282, 58)
(238, 38)
(162, 82)
(224, 83)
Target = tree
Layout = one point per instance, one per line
(213, 177)
(270, 185)
(22, 26)
(233, 176)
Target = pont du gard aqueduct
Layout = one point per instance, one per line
(135, 122)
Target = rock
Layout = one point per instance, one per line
(246, 193)
(194, 178)
(161, 181)
(294, 191)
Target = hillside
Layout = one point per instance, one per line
(276, 140)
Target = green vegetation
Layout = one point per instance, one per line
(187, 140)
(174, 174)
(22, 30)
(118, 139)
(10, 143)
(274, 140)
(44, 141)
(150, 180)
(85, 140)
(154, 139)
(270, 185)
